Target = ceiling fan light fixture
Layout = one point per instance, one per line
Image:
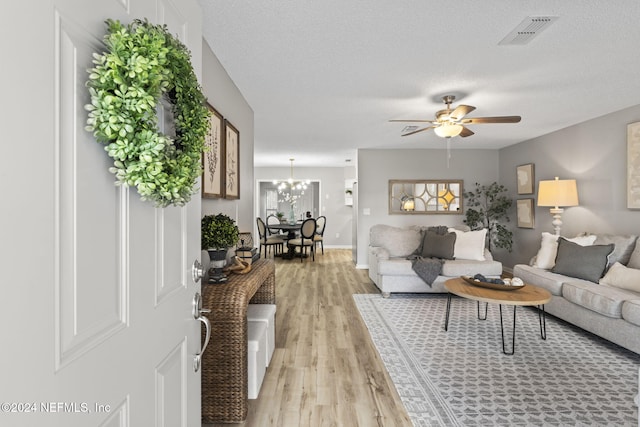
(448, 130)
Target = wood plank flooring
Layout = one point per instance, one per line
(325, 370)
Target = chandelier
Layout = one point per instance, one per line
(289, 185)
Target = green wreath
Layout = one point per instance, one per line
(144, 63)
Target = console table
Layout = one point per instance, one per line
(224, 363)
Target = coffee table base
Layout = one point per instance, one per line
(541, 319)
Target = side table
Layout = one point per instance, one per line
(224, 363)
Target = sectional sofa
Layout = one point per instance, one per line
(594, 281)
(391, 247)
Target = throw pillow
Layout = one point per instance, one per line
(581, 262)
(546, 256)
(470, 244)
(438, 245)
(622, 277)
(634, 259)
(623, 247)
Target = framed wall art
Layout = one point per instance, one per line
(212, 159)
(526, 213)
(525, 178)
(633, 165)
(232, 162)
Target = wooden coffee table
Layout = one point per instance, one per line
(528, 295)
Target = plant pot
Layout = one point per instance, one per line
(217, 261)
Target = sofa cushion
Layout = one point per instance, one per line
(622, 277)
(623, 247)
(540, 277)
(602, 299)
(399, 242)
(437, 245)
(546, 257)
(582, 262)
(634, 259)
(470, 244)
(631, 311)
(467, 267)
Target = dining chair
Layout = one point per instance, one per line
(321, 221)
(268, 241)
(307, 231)
(272, 220)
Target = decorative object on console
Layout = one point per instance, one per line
(525, 212)
(488, 205)
(219, 233)
(525, 178)
(425, 196)
(557, 193)
(633, 165)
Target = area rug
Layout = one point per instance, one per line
(462, 378)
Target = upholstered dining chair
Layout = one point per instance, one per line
(267, 241)
(321, 221)
(307, 231)
(272, 220)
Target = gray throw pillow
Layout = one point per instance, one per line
(623, 247)
(437, 245)
(582, 262)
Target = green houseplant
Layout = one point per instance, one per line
(487, 207)
(219, 233)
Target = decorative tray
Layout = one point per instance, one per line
(488, 285)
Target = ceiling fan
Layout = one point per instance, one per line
(451, 122)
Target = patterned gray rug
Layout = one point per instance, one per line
(461, 377)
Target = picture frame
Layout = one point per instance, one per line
(633, 165)
(525, 178)
(212, 159)
(232, 162)
(525, 213)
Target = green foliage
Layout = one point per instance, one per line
(487, 206)
(218, 232)
(144, 63)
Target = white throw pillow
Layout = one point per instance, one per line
(546, 257)
(470, 244)
(622, 277)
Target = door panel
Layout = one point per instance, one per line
(100, 287)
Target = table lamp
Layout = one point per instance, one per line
(557, 193)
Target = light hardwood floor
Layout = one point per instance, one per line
(325, 370)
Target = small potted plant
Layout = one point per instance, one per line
(219, 233)
(280, 216)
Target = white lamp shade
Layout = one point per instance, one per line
(558, 192)
(448, 130)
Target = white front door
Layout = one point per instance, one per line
(95, 308)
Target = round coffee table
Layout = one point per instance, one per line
(528, 295)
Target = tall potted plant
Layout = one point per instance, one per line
(487, 206)
(219, 233)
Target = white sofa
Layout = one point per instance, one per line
(607, 306)
(392, 272)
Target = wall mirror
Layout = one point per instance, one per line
(425, 196)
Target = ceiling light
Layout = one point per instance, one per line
(448, 130)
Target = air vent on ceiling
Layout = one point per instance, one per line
(409, 128)
(528, 29)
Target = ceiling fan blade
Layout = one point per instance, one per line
(416, 131)
(503, 119)
(421, 121)
(461, 111)
(466, 132)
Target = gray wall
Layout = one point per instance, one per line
(332, 185)
(593, 153)
(226, 98)
(377, 167)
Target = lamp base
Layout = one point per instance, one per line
(557, 221)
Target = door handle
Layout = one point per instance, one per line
(198, 311)
(197, 272)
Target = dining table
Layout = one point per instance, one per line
(292, 232)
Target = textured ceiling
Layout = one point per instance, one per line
(324, 77)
